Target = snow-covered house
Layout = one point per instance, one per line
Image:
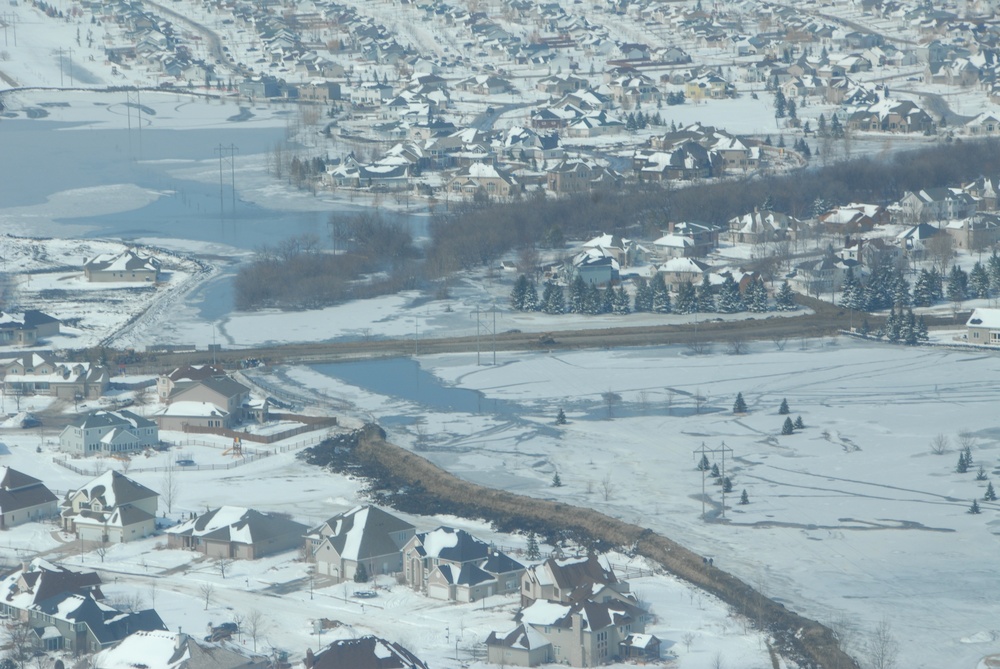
(108, 432)
(367, 652)
(521, 647)
(483, 177)
(365, 535)
(936, 204)
(454, 565)
(678, 271)
(216, 401)
(237, 532)
(111, 508)
(760, 227)
(27, 328)
(161, 649)
(24, 499)
(130, 265)
(983, 327)
(570, 579)
(65, 609)
(41, 374)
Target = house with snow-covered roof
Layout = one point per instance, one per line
(570, 579)
(24, 498)
(365, 535)
(585, 633)
(26, 329)
(453, 565)
(237, 532)
(65, 609)
(161, 649)
(108, 432)
(111, 508)
(367, 652)
(521, 647)
(983, 327)
(40, 373)
(130, 266)
(483, 178)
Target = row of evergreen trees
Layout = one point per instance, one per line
(650, 296)
(887, 287)
(899, 328)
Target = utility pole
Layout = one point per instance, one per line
(232, 149)
(703, 452)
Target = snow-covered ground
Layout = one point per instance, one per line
(850, 520)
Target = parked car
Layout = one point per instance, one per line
(185, 463)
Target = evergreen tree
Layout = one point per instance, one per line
(518, 292)
(865, 328)
(910, 334)
(990, 495)
(791, 109)
(703, 465)
(937, 284)
(836, 129)
(994, 272)
(594, 300)
(687, 302)
(744, 497)
(730, 300)
(798, 424)
(553, 299)
(923, 290)
(922, 334)
(756, 298)
(968, 455)
(643, 297)
(850, 293)
(821, 125)
(974, 508)
(531, 297)
(561, 417)
(578, 296)
(532, 552)
(981, 474)
(979, 281)
(785, 299)
(727, 484)
(706, 298)
(788, 427)
(607, 299)
(556, 481)
(783, 409)
(900, 290)
(715, 471)
(661, 296)
(779, 104)
(361, 574)
(739, 406)
(963, 465)
(893, 329)
(958, 283)
(622, 302)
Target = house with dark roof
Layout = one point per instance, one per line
(108, 432)
(570, 579)
(214, 401)
(112, 508)
(26, 329)
(521, 647)
(174, 650)
(237, 532)
(130, 265)
(365, 535)
(585, 633)
(454, 565)
(165, 383)
(367, 652)
(24, 499)
(65, 609)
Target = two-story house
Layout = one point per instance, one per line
(112, 508)
(108, 432)
(570, 579)
(42, 374)
(454, 565)
(365, 535)
(24, 499)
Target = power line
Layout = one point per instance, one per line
(232, 150)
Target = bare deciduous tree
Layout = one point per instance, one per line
(256, 623)
(169, 488)
(223, 565)
(611, 400)
(207, 592)
(737, 345)
(881, 647)
(688, 640)
(607, 488)
(939, 444)
(780, 341)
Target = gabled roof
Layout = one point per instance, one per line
(113, 489)
(126, 261)
(521, 637)
(20, 491)
(238, 525)
(112, 419)
(43, 581)
(368, 652)
(161, 649)
(593, 615)
(452, 545)
(984, 318)
(363, 532)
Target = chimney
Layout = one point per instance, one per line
(180, 640)
(310, 660)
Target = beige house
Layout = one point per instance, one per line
(130, 266)
(110, 509)
(24, 499)
(677, 271)
(364, 535)
(237, 532)
(485, 178)
(569, 579)
(454, 565)
(983, 327)
(215, 402)
(41, 374)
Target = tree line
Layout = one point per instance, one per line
(650, 297)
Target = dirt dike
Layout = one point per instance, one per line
(401, 479)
